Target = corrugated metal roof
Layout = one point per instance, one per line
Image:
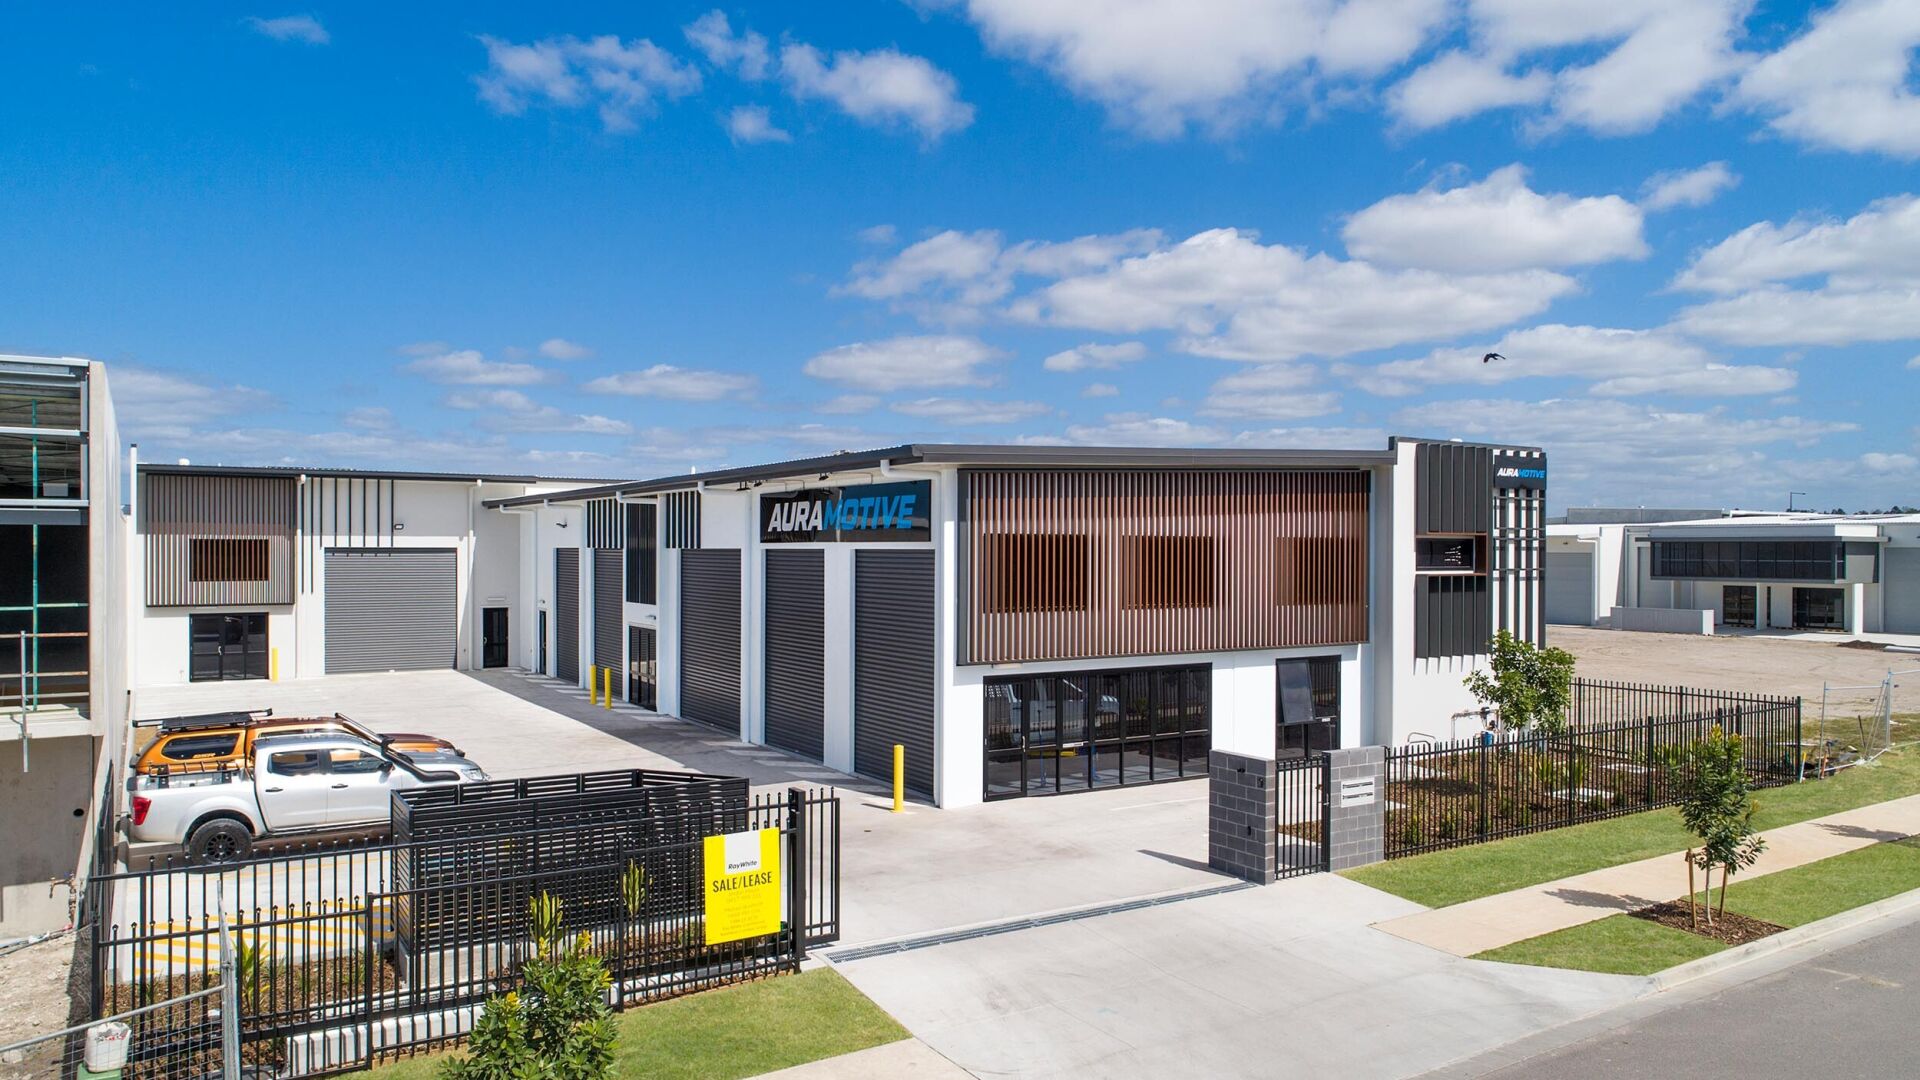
(158, 468)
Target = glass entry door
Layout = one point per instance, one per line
(228, 647)
(643, 669)
(1819, 609)
(493, 637)
(1737, 605)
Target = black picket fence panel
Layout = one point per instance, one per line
(1300, 815)
(1442, 795)
(346, 963)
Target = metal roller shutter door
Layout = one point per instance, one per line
(1570, 587)
(796, 702)
(608, 597)
(710, 637)
(893, 678)
(392, 609)
(566, 614)
(1900, 590)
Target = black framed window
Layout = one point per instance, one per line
(1738, 605)
(1061, 732)
(1308, 707)
(227, 647)
(1764, 560)
(643, 559)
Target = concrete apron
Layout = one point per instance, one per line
(1492, 921)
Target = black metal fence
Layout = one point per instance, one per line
(347, 960)
(1606, 763)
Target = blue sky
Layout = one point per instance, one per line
(635, 239)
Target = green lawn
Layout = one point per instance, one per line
(1617, 945)
(1465, 873)
(1624, 945)
(742, 1030)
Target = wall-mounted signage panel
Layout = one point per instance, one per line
(1512, 470)
(869, 513)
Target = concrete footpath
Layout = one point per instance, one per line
(908, 1057)
(1502, 919)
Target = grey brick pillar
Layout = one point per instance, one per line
(1241, 816)
(1356, 820)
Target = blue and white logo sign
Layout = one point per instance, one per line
(870, 513)
(1512, 470)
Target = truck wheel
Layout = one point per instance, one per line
(221, 840)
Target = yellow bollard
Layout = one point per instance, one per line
(274, 660)
(607, 674)
(899, 778)
(593, 684)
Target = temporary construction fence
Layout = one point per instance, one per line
(349, 953)
(1859, 723)
(1605, 763)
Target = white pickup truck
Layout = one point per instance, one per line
(294, 784)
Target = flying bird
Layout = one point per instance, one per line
(1491, 356)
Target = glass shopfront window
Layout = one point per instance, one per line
(1076, 731)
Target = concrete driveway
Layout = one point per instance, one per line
(1284, 980)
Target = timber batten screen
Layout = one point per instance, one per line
(217, 540)
(1173, 562)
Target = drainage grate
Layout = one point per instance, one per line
(886, 948)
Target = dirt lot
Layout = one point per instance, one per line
(33, 989)
(1760, 665)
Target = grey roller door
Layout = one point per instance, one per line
(1900, 590)
(710, 637)
(566, 614)
(893, 674)
(392, 609)
(1570, 587)
(608, 596)
(796, 651)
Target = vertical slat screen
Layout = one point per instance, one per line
(178, 509)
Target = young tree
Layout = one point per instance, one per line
(1716, 803)
(1530, 686)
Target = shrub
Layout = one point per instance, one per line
(1449, 825)
(558, 1028)
(1412, 832)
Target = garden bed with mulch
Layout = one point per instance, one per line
(1729, 927)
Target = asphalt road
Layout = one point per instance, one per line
(1850, 1012)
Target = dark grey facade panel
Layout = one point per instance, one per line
(1900, 595)
(796, 695)
(710, 637)
(607, 608)
(1453, 488)
(391, 609)
(682, 520)
(605, 523)
(566, 614)
(893, 664)
(1452, 616)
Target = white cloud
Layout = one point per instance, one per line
(1847, 83)
(966, 412)
(1233, 297)
(512, 410)
(1708, 380)
(1914, 364)
(744, 53)
(150, 402)
(882, 235)
(622, 79)
(467, 367)
(951, 276)
(1679, 49)
(1314, 438)
(1095, 357)
(1878, 246)
(1456, 85)
(1690, 187)
(1099, 390)
(1778, 316)
(1623, 363)
(1497, 224)
(369, 418)
(906, 362)
(1143, 429)
(1160, 68)
(1876, 461)
(675, 384)
(562, 349)
(753, 124)
(849, 403)
(1269, 392)
(884, 87)
(304, 29)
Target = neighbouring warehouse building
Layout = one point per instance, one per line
(1041, 620)
(1845, 573)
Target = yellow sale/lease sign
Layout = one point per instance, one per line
(742, 885)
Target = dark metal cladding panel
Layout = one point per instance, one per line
(796, 705)
(682, 519)
(893, 664)
(606, 524)
(176, 510)
(710, 637)
(391, 609)
(608, 596)
(566, 614)
(1455, 488)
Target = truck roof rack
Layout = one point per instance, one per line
(199, 721)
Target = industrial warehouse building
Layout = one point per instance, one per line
(1846, 574)
(1042, 620)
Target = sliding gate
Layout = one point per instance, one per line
(1300, 824)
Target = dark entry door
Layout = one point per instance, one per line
(1737, 604)
(1309, 706)
(566, 614)
(643, 667)
(493, 637)
(1819, 609)
(228, 647)
(795, 685)
(541, 630)
(893, 677)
